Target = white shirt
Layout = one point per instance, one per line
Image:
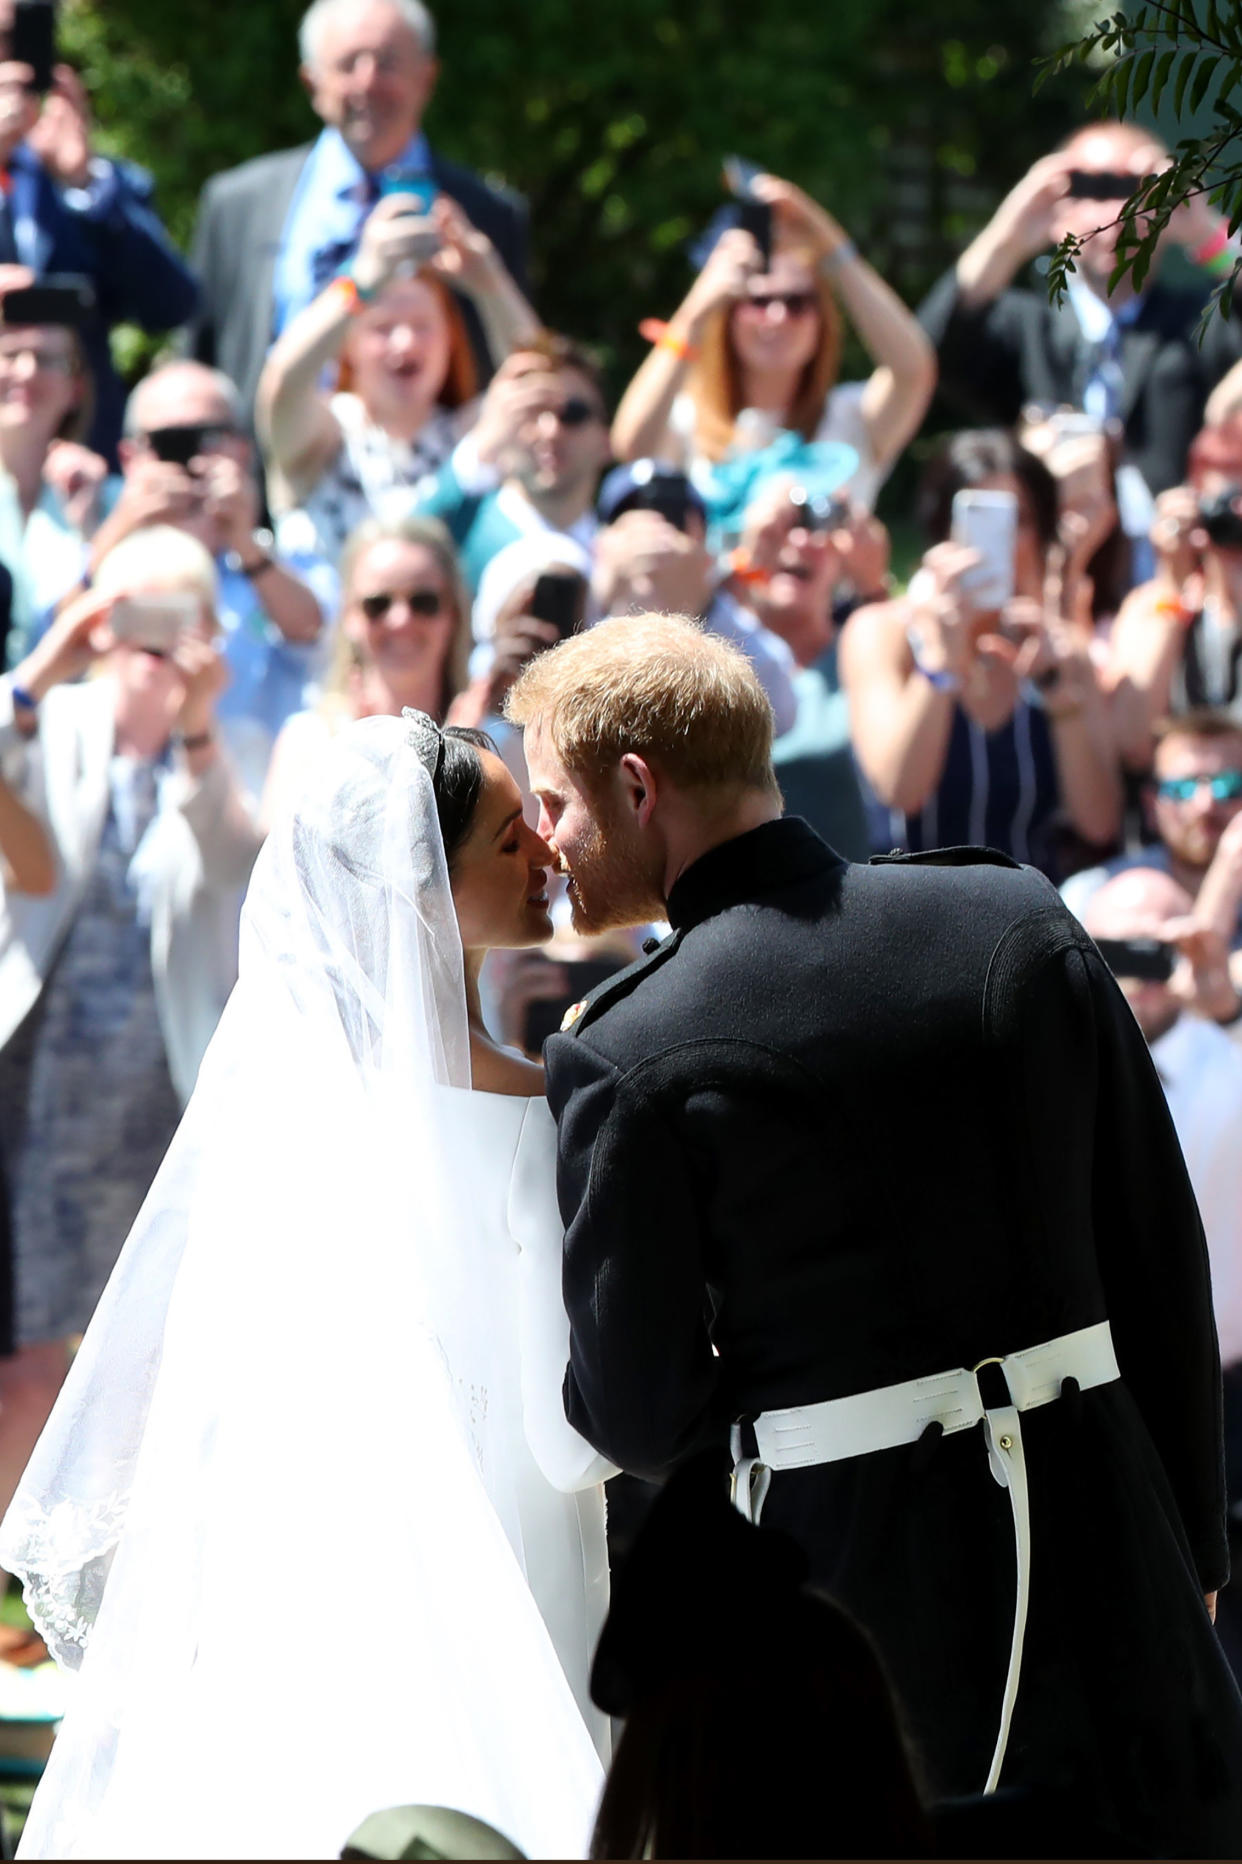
(1201, 1069)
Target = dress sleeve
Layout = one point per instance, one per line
(643, 1383)
(566, 1459)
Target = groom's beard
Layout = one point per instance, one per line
(610, 885)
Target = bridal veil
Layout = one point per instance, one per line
(266, 1523)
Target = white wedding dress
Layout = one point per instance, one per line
(296, 1521)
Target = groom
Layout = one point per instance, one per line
(867, 1177)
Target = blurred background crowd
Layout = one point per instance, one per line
(375, 428)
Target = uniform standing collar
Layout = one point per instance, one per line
(765, 857)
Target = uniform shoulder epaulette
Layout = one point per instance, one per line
(946, 857)
(579, 1014)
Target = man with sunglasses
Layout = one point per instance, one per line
(187, 461)
(533, 459)
(1194, 806)
(1109, 351)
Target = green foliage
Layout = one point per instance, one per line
(1194, 44)
(908, 122)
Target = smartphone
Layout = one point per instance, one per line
(818, 511)
(183, 443)
(560, 597)
(987, 522)
(544, 1017)
(1071, 424)
(754, 216)
(32, 40)
(1148, 959)
(154, 623)
(60, 298)
(422, 187)
(1104, 185)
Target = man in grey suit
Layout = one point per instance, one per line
(273, 232)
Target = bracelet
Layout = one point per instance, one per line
(195, 741)
(840, 255)
(663, 336)
(350, 292)
(939, 677)
(24, 698)
(252, 571)
(741, 565)
(1172, 608)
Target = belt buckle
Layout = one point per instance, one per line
(994, 1359)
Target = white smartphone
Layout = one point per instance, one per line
(987, 522)
(154, 622)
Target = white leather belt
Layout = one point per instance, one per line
(891, 1415)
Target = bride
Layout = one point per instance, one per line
(325, 1379)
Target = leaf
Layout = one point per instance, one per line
(1164, 64)
(1183, 78)
(1121, 84)
(1142, 76)
(1203, 78)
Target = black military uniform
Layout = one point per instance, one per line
(852, 1125)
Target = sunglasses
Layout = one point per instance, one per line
(576, 412)
(418, 601)
(1225, 785)
(797, 303)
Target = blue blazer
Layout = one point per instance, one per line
(118, 242)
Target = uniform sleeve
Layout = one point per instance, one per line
(1154, 1266)
(642, 1384)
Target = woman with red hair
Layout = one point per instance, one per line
(751, 352)
(391, 334)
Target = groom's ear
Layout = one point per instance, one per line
(639, 787)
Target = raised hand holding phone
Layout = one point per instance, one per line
(397, 237)
(987, 523)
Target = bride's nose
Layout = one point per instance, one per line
(542, 853)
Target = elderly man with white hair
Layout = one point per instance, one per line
(272, 233)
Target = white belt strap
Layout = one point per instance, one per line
(891, 1415)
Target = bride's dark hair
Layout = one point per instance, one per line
(459, 784)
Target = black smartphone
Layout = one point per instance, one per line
(755, 218)
(32, 40)
(1087, 184)
(544, 1017)
(61, 298)
(1148, 959)
(560, 597)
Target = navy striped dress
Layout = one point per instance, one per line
(998, 789)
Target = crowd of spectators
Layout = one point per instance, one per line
(366, 477)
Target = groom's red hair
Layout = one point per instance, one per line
(657, 685)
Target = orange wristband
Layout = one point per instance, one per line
(741, 566)
(663, 336)
(345, 289)
(1171, 608)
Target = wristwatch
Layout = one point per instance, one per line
(262, 540)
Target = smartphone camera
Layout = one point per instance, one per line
(1147, 960)
(560, 598)
(1219, 516)
(818, 511)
